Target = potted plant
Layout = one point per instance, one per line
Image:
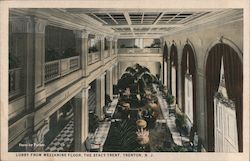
(180, 122)
(170, 99)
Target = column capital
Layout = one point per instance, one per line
(115, 39)
(81, 33)
(99, 37)
(109, 38)
(28, 24)
(83, 93)
(40, 25)
(102, 76)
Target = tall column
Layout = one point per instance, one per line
(111, 46)
(39, 41)
(100, 96)
(114, 74)
(29, 48)
(81, 120)
(109, 83)
(82, 48)
(22, 29)
(116, 49)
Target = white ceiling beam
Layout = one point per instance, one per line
(155, 22)
(142, 17)
(104, 10)
(127, 17)
(174, 17)
(158, 18)
(144, 26)
(112, 18)
(132, 37)
(159, 32)
(99, 18)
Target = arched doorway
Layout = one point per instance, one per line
(188, 84)
(233, 76)
(173, 71)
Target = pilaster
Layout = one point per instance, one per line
(100, 96)
(109, 83)
(39, 41)
(82, 48)
(116, 49)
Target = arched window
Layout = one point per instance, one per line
(233, 72)
(188, 83)
(173, 71)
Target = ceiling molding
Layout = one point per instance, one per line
(211, 20)
(144, 26)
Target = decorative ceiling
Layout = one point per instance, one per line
(134, 23)
(142, 22)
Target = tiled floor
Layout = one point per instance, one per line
(63, 140)
(102, 132)
(100, 136)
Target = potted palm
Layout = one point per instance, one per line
(180, 122)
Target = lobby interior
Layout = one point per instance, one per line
(125, 80)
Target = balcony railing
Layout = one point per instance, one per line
(59, 68)
(14, 82)
(94, 57)
(139, 51)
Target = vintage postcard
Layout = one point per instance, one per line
(124, 80)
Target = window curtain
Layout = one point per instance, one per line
(174, 59)
(165, 59)
(233, 71)
(192, 70)
(213, 65)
